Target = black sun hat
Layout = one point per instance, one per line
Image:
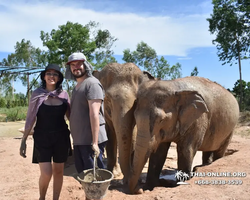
(54, 67)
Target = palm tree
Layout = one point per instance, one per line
(185, 176)
(178, 175)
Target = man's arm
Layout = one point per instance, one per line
(94, 109)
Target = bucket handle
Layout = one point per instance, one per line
(95, 167)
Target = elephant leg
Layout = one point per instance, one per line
(186, 155)
(207, 157)
(156, 162)
(221, 151)
(111, 149)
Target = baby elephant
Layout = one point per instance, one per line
(194, 112)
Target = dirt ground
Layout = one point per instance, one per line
(19, 177)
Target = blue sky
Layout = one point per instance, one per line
(177, 30)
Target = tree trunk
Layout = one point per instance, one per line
(28, 87)
(239, 61)
(241, 92)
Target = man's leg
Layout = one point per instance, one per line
(79, 164)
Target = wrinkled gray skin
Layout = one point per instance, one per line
(120, 82)
(194, 112)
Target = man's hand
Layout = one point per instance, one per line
(96, 149)
(23, 148)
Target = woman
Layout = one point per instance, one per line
(48, 106)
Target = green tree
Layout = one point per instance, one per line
(245, 86)
(146, 57)
(194, 72)
(28, 56)
(175, 71)
(95, 43)
(6, 77)
(230, 22)
(74, 37)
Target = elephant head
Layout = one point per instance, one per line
(120, 82)
(163, 115)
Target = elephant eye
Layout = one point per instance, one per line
(166, 116)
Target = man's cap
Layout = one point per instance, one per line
(78, 56)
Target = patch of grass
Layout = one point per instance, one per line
(13, 114)
(244, 117)
(245, 134)
(3, 117)
(243, 127)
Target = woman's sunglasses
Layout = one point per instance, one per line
(51, 74)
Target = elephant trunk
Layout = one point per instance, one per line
(141, 155)
(124, 124)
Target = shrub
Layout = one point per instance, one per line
(2, 102)
(14, 114)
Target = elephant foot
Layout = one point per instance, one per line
(138, 190)
(116, 172)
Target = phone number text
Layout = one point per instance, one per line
(218, 182)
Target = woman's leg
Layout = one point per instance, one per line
(45, 176)
(57, 179)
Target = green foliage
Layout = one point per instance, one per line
(194, 72)
(68, 38)
(74, 37)
(230, 23)
(26, 55)
(104, 42)
(6, 78)
(244, 117)
(2, 102)
(245, 105)
(13, 100)
(146, 57)
(29, 56)
(95, 43)
(13, 114)
(175, 71)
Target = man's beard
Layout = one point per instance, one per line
(79, 75)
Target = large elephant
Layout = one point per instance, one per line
(194, 112)
(120, 82)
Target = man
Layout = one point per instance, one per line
(87, 122)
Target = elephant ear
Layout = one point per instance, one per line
(191, 106)
(96, 74)
(148, 75)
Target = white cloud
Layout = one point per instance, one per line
(167, 35)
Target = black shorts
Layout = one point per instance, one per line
(55, 145)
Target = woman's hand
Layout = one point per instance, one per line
(23, 148)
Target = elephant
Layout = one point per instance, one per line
(120, 83)
(193, 112)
